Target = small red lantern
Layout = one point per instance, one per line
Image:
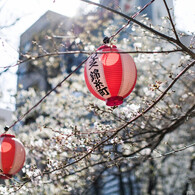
(110, 76)
(12, 156)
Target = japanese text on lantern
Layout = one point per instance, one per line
(96, 77)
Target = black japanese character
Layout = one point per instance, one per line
(94, 74)
(103, 91)
(98, 84)
(93, 61)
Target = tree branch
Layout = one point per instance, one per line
(163, 36)
(9, 25)
(175, 151)
(179, 121)
(41, 100)
(171, 20)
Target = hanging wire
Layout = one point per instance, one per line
(41, 100)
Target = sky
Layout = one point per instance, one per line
(185, 15)
(30, 10)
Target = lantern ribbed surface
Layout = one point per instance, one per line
(110, 76)
(12, 155)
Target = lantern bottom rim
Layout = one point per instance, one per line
(5, 176)
(114, 101)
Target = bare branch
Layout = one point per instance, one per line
(163, 36)
(175, 151)
(9, 25)
(171, 20)
(132, 17)
(133, 20)
(41, 100)
(180, 121)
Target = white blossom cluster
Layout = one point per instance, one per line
(70, 138)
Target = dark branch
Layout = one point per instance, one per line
(163, 36)
(43, 98)
(171, 20)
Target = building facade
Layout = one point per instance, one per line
(49, 34)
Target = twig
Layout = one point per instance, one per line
(132, 17)
(133, 20)
(41, 100)
(171, 20)
(175, 151)
(9, 25)
(163, 36)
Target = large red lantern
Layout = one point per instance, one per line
(110, 76)
(12, 156)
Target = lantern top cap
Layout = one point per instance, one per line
(7, 135)
(106, 47)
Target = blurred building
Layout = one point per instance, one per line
(50, 33)
(5, 118)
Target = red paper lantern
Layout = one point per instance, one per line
(12, 156)
(110, 76)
